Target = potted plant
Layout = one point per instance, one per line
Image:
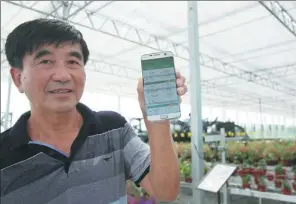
(286, 188)
(286, 157)
(262, 184)
(185, 154)
(271, 155)
(246, 179)
(185, 169)
(280, 172)
(209, 154)
(261, 169)
(249, 169)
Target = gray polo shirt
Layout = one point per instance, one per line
(104, 155)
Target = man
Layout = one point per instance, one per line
(61, 151)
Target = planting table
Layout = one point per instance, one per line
(263, 195)
(252, 193)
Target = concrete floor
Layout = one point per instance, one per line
(186, 196)
(212, 199)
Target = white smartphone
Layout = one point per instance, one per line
(160, 88)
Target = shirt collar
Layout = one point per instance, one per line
(18, 134)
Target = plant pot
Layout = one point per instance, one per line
(256, 180)
(261, 188)
(278, 183)
(248, 170)
(262, 172)
(208, 159)
(272, 163)
(188, 179)
(286, 191)
(254, 172)
(287, 162)
(281, 177)
(270, 177)
(241, 172)
(246, 185)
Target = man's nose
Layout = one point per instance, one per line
(61, 73)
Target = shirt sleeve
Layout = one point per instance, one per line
(136, 155)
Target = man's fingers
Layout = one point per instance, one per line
(140, 85)
(181, 81)
(182, 90)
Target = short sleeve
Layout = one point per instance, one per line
(136, 155)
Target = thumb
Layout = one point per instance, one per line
(140, 85)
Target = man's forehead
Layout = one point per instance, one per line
(63, 46)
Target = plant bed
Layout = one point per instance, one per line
(252, 161)
(273, 153)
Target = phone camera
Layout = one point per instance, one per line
(164, 53)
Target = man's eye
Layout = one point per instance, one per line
(45, 62)
(73, 62)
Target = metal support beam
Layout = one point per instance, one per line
(54, 11)
(281, 14)
(137, 36)
(116, 70)
(66, 9)
(196, 112)
(272, 73)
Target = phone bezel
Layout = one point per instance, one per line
(169, 116)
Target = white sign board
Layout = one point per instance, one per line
(216, 178)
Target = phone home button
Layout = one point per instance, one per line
(163, 116)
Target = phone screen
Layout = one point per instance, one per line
(160, 90)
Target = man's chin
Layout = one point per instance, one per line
(63, 107)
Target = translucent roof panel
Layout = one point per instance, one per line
(246, 53)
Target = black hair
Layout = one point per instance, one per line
(29, 36)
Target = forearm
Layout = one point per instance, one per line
(164, 169)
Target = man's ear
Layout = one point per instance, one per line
(16, 77)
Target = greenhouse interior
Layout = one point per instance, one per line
(239, 61)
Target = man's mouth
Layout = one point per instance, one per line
(60, 91)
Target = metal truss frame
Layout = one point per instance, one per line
(273, 73)
(281, 14)
(143, 38)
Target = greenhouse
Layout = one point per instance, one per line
(239, 61)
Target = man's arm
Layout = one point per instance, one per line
(154, 167)
(163, 179)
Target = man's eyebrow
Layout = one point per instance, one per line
(76, 54)
(41, 53)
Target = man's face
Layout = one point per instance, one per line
(53, 78)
